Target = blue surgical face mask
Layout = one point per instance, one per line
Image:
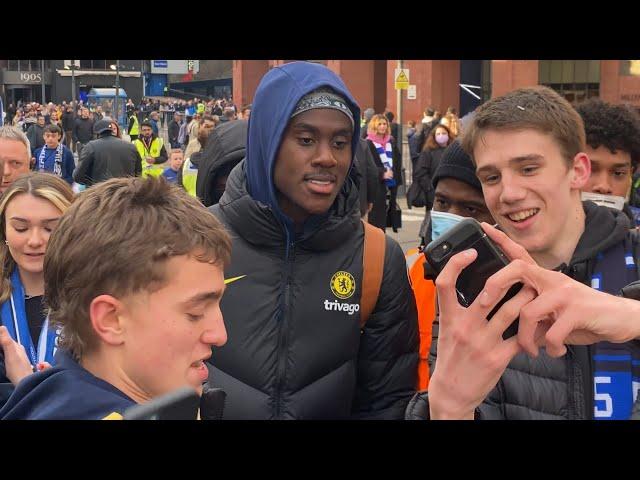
(441, 222)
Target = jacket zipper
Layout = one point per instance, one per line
(589, 398)
(281, 352)
(573, 383)
(579, 398)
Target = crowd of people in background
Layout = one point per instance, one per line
(185, 193)
(183, 125)
(58, 131)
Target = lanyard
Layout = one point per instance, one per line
(147, 149)
(46, 340)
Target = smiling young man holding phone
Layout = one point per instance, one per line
(528, 147)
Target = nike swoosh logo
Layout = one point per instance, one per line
(231, 280)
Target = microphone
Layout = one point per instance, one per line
(212, 402)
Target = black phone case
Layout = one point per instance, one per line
(465, 235)
(181, 404)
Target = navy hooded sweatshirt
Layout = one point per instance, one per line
(64, 392)
(270, 115)
(295, 349)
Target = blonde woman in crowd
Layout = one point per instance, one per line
(451, 121)
(29, 211)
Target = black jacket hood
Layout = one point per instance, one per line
(604, 227)
(226, 143)
(225, 148)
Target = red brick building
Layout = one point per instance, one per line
(437, 82)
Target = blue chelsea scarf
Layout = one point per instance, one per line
(14, 317)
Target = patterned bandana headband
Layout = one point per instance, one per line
(323, 98)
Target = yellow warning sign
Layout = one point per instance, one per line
(402, 78)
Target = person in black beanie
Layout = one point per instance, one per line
(457, 191)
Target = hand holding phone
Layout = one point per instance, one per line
(564, 311)
(472, 355)
(465, 235)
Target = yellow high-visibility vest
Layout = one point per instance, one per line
(189, 177)
(149, 169)
(135, 128)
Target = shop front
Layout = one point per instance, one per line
(25, 86)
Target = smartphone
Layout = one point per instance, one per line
(468, 233)
(181, 404)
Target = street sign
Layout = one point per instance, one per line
(411, 92)
(401, 78)
(68, 63)
(175, 67)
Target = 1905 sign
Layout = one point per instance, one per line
(21, 78)
(28, 77)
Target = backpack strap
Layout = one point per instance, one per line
(372, 269)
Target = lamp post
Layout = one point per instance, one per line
(73, 67)
(399, 110)
(44, 101)
(116, 67)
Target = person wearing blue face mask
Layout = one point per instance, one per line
(457, 195)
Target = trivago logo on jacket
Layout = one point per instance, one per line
(343, 286)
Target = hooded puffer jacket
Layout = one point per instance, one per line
(295, 348)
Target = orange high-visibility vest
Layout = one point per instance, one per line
(425, 293)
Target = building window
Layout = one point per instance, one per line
(630, 67)
(575, 80)
(28, 65)
(96, 64)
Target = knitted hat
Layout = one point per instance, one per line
(455, 163)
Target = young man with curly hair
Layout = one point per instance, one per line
(613, 146)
